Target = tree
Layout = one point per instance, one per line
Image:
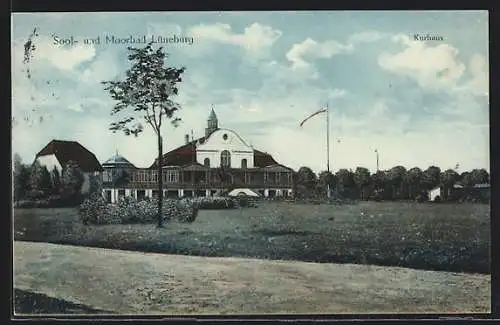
(345, 182)
(325, 180)
(414, 179)
(448, 180)
(71, 180)
(306, 182)
(40, 182)
(362, 179)
(146, 93)
(380, 182)
(397, 177)
(56, 180)
(431, 178)
(21, 178)
(480, 176)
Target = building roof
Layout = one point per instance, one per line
(66, 151)
(118, 161)
(186, 154)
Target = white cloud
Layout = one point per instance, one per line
(311, 49)
(433, 67)
(479, 76)
(302, 55)
(103, 67)
(254, 38)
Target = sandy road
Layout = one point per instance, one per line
(144, 283)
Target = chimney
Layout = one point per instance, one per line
(186, 137)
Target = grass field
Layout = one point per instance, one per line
(443, 237)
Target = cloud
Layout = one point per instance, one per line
(311, 49)
(103, 67)
(479, 76)
(254, 39)
(302, 55)
(433, 67)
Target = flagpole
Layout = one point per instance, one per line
(328, 147)
(327, 138)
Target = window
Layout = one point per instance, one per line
(225, 159)
(243, 163)
(121, 193)
(154, 176)
(277, 177)
(265, 177)
(206, 162)
(172, 176)
(107, 176)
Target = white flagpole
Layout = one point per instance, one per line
(328, 146)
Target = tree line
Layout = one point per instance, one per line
(397, 183)
(34, 182)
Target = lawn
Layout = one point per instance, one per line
(443, 237)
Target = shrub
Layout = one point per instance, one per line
(217, 202)
(95, 210)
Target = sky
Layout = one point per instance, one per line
(418, 102)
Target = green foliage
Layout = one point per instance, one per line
(40, 181)
(71, 180)
(21, 178)
(95, 185)
(397, 183)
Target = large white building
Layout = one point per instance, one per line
(216, 163)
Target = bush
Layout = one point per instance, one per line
(95, 210)
(214, 202)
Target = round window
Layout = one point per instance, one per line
(224, 137)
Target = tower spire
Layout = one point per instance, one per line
(212, 122)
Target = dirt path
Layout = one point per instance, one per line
(145, 283)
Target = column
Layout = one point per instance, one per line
(181, 192)
(149, 193)
(266, 192)
(207, 193)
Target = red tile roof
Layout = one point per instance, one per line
(187, 154)
(71, 150)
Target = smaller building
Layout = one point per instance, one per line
(57, 153)
(459, 192)
(117, 173)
